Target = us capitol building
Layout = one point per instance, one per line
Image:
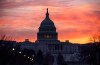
(47, 41)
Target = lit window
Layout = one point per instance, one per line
(47, 36)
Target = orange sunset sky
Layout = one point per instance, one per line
(75, 20)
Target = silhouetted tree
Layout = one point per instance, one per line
(64, 63)
(89, 54)
(39, 58)
(60, 59)
(49, 59)
(4, 36)
(95, 38)
(11, 56)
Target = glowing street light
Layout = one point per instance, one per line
(32, 55)
(13, 49)
(32, 58)
(28, 57)
(20, 52)
(24, 55)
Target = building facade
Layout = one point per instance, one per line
(47, 41)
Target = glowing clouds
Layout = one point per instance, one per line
(75, 20)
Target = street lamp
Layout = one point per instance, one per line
(13, 49)
(28, 57)
(20, 52)
(32, 58)
(24, 55)
(32, 55)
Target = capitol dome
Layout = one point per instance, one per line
(47, 24)
(47, 30)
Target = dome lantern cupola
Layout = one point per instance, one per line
(47, 21)
(47, 29)
(47, 14)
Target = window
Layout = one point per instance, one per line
(47, 36)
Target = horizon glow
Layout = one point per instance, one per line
(75, 20)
